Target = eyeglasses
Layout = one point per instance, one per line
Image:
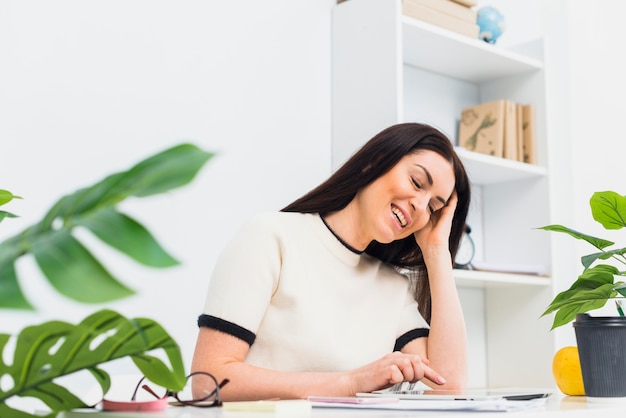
(205, 394)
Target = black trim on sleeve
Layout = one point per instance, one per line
(410, 336)
(220, 324)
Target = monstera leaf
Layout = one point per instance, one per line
(54, 349)
(66, 263)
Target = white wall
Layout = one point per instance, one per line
(90, 88)
(597, 110)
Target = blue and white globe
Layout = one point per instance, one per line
(491, 24)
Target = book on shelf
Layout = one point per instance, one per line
(520, 131)
(528, 134)
(510, 130)
(467, 3)
(450, 7)
(502, 128)
(482, 128)
(417, 10)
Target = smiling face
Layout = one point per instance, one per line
(402, 201)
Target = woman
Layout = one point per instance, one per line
(322, 298)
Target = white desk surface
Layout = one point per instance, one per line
(556, 406)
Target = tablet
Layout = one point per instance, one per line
(460, 395)
(353, 399)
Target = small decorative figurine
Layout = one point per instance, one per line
(491, 24)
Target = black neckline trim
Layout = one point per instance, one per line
(345, 244)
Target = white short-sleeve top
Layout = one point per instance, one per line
(304, 301)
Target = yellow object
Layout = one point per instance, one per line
(290, 406)
(566, 371)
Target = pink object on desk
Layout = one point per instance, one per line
(156, 405)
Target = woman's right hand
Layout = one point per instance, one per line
(391, 369)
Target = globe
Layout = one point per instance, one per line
(491, 24)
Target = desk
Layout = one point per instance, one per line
(556, 406)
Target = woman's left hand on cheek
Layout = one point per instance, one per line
(436, 233)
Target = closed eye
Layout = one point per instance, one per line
(418, 186)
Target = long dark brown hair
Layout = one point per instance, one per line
(373, 160)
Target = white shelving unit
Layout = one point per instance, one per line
(389, 68)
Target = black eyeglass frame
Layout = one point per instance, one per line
(194, 402)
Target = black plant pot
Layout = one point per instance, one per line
(602, 349)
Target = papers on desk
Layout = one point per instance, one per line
(491, 405)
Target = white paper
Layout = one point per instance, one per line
(496, 405)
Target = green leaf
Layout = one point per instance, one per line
(581, 302)
(590, 279)
(588, 260)
(609, 208)
(102, 377)
(7, 411)
(6, 196)
(160, 173)
(11, 295)
(165, 171)
(69, 266)
(128, 236)
(74, 272)
(590, 291)
(620, 287)
(599, 243)
(4, 214)
(53, 349)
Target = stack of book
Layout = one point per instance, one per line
(501, 128)
(456, 15)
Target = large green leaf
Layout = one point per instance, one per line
(599, 243)
(160, 173)
(54, 349)
(609, 208)
(69, 265)
(74, 271)
(128, 236)
(11, 295)
(581, 302)
(590, 291)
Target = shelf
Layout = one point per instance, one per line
(486, 169)
(445, 52)
(484, 279)
(376, 51)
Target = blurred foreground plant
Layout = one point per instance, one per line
(45, 352)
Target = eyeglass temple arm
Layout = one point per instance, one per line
(219, 386)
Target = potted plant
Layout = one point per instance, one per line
(601, 339)
(43, 353)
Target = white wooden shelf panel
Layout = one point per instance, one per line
(485, 169)
(444, 52)
(488, 279)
